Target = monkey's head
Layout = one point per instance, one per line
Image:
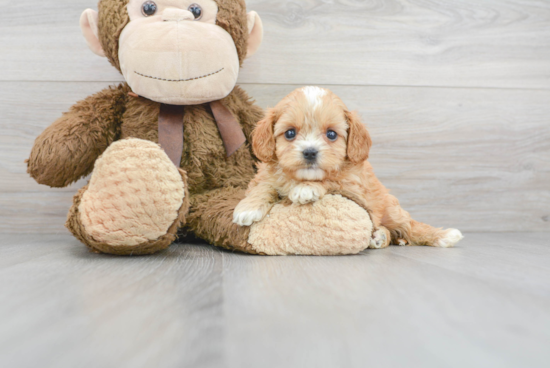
(180, 52)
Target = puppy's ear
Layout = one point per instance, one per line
(359, 141)
(263, 139)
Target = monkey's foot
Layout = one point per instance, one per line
(333, 225)
(134, 203)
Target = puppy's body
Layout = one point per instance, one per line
(311, 145)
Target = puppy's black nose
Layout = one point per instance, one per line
(310, 154)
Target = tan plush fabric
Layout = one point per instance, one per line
(113, 18)
(74, 224)
(332, 226)
(134, 194)
(178, 63)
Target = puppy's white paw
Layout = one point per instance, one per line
(247, 217)
(402, 242)
(378, 240)
(451, 237)
(303, 194)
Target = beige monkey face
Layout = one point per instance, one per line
(173, 52)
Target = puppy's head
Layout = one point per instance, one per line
(311, 135)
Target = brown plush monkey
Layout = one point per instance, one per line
(180, 60)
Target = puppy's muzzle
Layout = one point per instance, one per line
(310, 155)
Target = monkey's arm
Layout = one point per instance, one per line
(67, 150)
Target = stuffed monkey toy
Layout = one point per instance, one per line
(170, 148)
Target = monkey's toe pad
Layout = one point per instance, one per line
(333, 225)
(134, 195)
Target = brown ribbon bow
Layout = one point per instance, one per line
(171, 129)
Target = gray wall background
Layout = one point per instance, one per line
(456, 94)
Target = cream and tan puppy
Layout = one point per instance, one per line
(310, 144)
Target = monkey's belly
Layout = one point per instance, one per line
(331, 226)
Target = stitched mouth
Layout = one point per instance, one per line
(179, 80)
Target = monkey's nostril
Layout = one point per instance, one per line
(310, 154)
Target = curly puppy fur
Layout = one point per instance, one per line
(310, 145)
(68, 149)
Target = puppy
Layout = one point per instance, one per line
(310, 144)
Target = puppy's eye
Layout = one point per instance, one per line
(149, 8)
(196, 10)
(332, 135)
(290, 134)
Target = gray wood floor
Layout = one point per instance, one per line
(485, 303)
(455, 94)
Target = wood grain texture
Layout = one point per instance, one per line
(485, 304)
(474, 159)
(393, 308)
(63, 306)
(470, 43)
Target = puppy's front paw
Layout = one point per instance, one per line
(247, 218)
(248, 212)
(451, 237)
(303, 194)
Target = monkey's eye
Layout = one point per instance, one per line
(196, 10)
(332, 135)
(149, 8)
(290, 134)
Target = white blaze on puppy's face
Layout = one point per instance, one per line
(314, 95)
(310, 156)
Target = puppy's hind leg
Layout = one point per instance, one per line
(406, 231)
(423, 234)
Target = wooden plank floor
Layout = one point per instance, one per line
(485, 303)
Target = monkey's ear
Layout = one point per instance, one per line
(89, 24)
(255, 33)
(263, 139)
(359, 140)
